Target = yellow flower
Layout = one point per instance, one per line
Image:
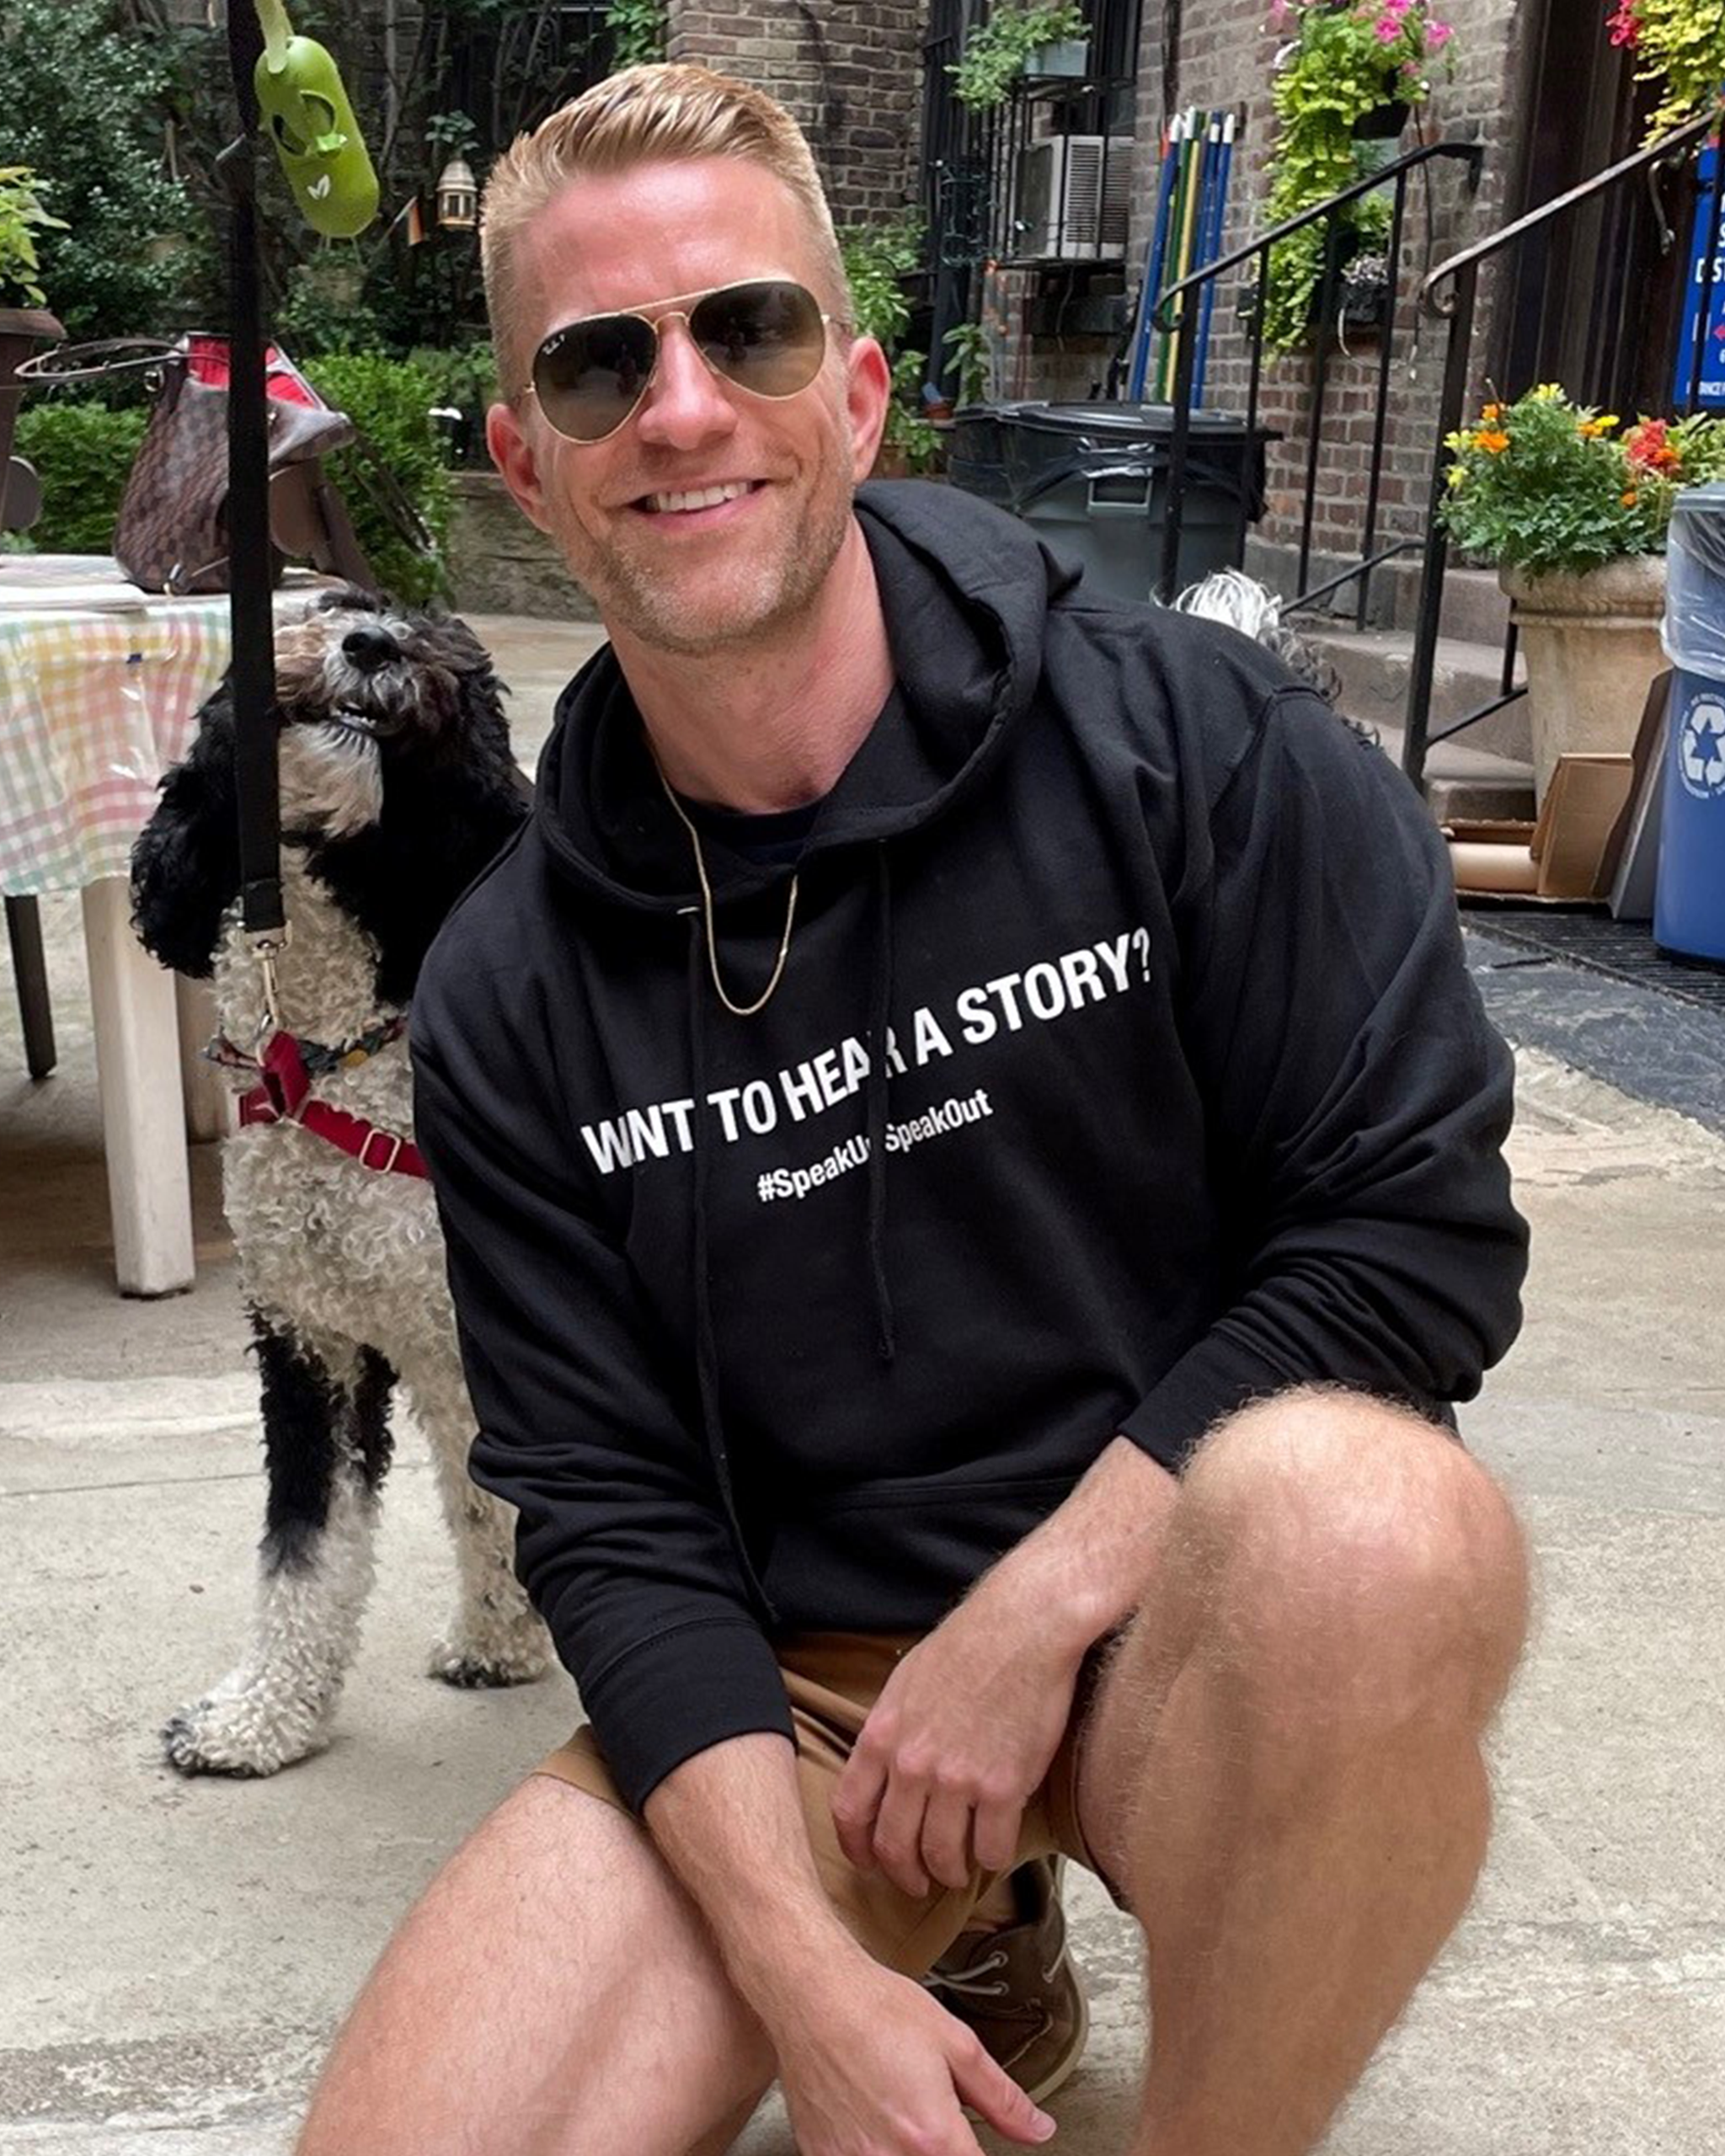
(1548, 392)
(1591, 429)
(1457, 476)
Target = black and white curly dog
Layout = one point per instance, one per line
(398, 786)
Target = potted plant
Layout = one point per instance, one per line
(1681, 46)
(877, 259)
(1572, 513)
(998, 51)
(1347, 81)
(24, 320)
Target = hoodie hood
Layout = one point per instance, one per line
(966, 591)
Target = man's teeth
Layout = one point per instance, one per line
(707, 498)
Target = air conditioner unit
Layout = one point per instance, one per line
(1074, 194)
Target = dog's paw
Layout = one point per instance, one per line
(243, 1733)
(474, 1658)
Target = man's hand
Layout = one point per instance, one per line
(956, 1742)
(879, 2069)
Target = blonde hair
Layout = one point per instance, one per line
(660, 114)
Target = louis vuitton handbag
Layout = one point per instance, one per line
(171, 533)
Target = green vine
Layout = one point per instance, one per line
(637, 31)
(1346, 60)
(877, 259)
(1681, 44)
(996, 51)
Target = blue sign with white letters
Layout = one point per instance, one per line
(1711, 397)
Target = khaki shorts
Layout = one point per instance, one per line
(832, 1679)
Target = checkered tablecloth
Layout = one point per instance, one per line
(100, 691)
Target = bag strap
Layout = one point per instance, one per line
(105, 355)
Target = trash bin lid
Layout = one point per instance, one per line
(1116, 425)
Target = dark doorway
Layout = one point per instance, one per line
(1592, 301)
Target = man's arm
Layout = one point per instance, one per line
(967, 1725)
(867, 2059)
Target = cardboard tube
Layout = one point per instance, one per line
(1478, 865)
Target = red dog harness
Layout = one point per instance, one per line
(285, 1095)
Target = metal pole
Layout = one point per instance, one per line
(1387, 343)
(1173, 511)
(1436, 538)
(248, 506)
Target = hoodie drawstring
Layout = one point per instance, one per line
(880, 1001)
(705, 1337)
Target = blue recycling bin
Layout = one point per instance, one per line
(1689, 901)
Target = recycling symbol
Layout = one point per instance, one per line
(1701, 748)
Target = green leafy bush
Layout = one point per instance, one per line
(463, 378)
(637, 29)
(876, 258)
(81, 91)
(1549, 487)
(23, 215)
(1681, 44)
(996, 49)
(82, 453)
(390, 401)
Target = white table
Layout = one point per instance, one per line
(101, 686)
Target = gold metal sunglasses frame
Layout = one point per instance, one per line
(677, 308)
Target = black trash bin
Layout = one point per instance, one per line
(1093, 479)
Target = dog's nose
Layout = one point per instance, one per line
(370, 647)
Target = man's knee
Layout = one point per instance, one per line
(1355, 1549)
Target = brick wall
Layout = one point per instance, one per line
(1225, 57)
(850, 70)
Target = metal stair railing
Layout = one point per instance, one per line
(1177, 311)
(1457, 305)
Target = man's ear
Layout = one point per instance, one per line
(868, 391)
(512, 453)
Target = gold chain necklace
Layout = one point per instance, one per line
(760, 1003)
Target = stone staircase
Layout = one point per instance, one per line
(1486, 772)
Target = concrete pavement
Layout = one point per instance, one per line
(177, 1953)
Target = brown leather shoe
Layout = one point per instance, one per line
(1018, 1988)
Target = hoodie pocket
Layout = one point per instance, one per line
(895, 1556)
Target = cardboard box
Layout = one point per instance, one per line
(1569, 854)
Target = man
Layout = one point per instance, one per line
(965, 1140)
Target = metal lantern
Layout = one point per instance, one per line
(457, 197)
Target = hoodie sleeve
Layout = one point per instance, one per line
(622, 1540)
(1359, 1096)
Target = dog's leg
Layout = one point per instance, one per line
(495, 1637)
(325, 1409)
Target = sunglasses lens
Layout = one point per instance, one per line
(590, 376)
(768, 337)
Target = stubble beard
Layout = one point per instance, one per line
(761, 591)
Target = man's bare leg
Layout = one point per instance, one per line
(553, 1994)
(1284, 1766)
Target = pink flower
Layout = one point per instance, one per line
(1437, 35)
(1397, 8)
(1389, 29)
(1279, 14)
(1623, 25)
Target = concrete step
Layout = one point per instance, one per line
(1470, 785)
(1373, 665)
(1475, 608)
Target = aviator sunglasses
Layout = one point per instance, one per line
(767, 336)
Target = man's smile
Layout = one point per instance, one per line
(699, 507)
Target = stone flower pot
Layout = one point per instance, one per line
(1592, 644)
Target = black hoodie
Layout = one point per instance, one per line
(1188, 1096)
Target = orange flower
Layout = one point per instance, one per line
(1629, 499)
(1492, 411)
(1493, 440)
